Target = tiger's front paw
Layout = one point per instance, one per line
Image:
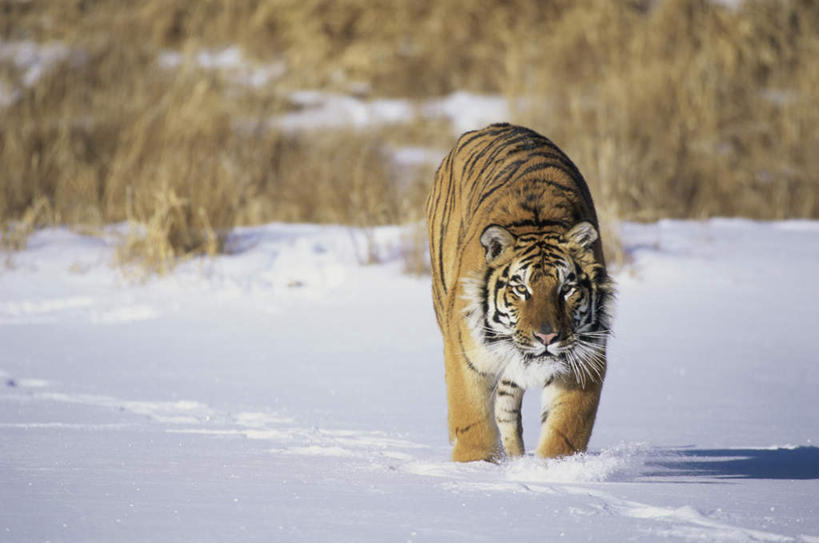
(475, 454)
(557, 444)
(476, 442)
(513, 447)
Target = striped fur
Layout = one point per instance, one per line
(520, 292)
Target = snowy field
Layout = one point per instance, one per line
(287, 393)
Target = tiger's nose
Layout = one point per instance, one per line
(546, 334)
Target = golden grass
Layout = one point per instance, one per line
(166, 152)
(688, 109)
(680, 108)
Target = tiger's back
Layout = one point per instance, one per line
(503, 189)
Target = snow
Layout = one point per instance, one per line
(469, 111)
(33, 59)
(322, 110)
(287, 392)
(415, 156)
(229, 61)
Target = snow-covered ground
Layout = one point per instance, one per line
(287, 393)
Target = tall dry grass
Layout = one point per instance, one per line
(180, 156)
(681, 108)
(686, 109)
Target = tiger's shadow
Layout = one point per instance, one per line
(776, 463)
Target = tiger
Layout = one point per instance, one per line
(520, 292)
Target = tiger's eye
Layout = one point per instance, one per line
(521, 290)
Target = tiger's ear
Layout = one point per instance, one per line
(496, 239)
(582, 234)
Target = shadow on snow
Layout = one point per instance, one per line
(791, 463)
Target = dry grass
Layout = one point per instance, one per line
(166, 152)
(688, 109)
(679, 108)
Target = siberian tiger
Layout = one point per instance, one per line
(520, 291)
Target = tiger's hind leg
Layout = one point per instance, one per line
(472, 427)
(508, 398)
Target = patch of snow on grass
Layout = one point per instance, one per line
(319, 110)
(34, 59)
(231, 62)
(414, 156)
(468, 111)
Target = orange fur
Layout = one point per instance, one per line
(514, 178)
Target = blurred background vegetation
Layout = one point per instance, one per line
(162, 112)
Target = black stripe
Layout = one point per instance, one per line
(538, 224)
(496, 146)
(507, 172)
(560, 161)
(524, 262)
(469, 363)
(442, 229)
(565, 439)
(540, 167)
(495, 289)
(485, 300)
(463, 429)
(487, 178)
(469, 137)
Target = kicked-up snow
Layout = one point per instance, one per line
(286, 392)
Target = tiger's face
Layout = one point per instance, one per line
(546, 297)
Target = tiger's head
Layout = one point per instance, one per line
(544, 298)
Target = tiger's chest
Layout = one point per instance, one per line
(531, 374)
